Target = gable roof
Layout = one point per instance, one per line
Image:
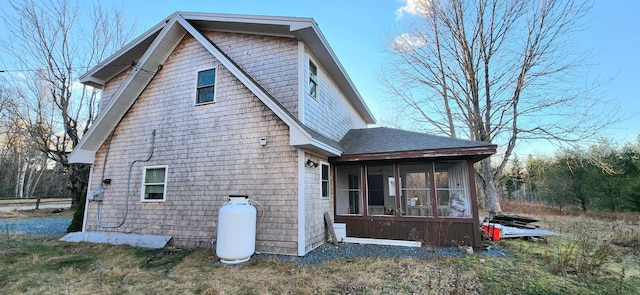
(303, 29)
(150, 50)
(387, 143)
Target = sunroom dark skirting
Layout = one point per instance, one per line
(436, 232)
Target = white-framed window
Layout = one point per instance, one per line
(313, 79)
(206, 86)
(154, 184)
(325, 180)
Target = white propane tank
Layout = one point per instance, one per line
(236, 240)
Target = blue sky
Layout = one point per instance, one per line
(358, 30)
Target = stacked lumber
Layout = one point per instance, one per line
(513, 226)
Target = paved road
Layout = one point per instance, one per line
(31, 207)
(30, 204)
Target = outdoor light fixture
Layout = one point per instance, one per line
(312, 164)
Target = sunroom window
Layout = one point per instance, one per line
(452, 189)
(348, 190)
(154, 184)
(381, 190)
(416, 194)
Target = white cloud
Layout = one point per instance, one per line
(76, 85)
(412, 7)
(406, 42)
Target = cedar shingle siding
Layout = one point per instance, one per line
(211, 150)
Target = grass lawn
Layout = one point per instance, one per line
(596, 256)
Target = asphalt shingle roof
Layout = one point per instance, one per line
(386, 140)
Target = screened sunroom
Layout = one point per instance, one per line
(423, 192)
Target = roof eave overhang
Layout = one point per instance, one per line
(473, 153)
(137, 51)
(133, 85)
(123, 58)
(82, 156)
(301, 139)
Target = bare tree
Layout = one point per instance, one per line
(52, 43)
(498, 71)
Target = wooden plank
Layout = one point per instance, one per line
(329, 224)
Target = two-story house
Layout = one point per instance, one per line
(203, 106)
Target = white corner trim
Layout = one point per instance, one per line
(301, 82)
(86, 202)
(302, 216)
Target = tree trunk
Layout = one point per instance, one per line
(20, 179)
(489, 186)
(78, 182)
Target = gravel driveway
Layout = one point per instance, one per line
(37, 226)
(328, 251)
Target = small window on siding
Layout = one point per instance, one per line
(313, 80)
(325, 181)
(154, 184)
(206, 86)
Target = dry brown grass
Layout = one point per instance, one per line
(529, 208)
(39, 265)
(45, 266)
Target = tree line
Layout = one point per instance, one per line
(44, 111)
(603, 176)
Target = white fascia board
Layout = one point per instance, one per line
(294, 127)
(300, 138)
(295, 23)
(79, 155)
(329, 149)
(93, 82)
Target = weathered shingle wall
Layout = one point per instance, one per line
(329, 113)
(271, 61)
(315, 205)
(211, 150)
